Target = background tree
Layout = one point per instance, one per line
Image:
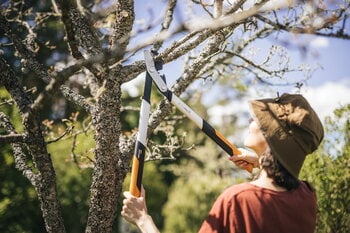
(328, 171)
(63, 64)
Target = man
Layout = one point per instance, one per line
(283, 132)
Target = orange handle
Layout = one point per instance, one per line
(134, 188)
(136, 176)
(234, 149)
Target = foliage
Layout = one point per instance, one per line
(328, 171)
(73, 181)
(19, 206)
(202, 172)
(156, 191)
(189, 202)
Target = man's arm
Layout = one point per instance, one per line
(135, 211)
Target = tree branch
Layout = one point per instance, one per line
(166, 23)
(235, 7)
(19, 156)
(125, 17)
(26, 54)
(226, 20)
(31, 62)
(84, 41)
(12, 137)
(309, 29)
(79, 28)
(189, 42)
(36, 146)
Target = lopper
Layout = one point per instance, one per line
(152, 75)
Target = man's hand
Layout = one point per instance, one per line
(134, 208)
(135, 211)
(245, 158)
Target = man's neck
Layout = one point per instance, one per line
(266, 182)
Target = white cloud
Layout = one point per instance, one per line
(324, 99)
(319, 42)
(328, 96)
(238, 107)
(277, 4)
(132, 87)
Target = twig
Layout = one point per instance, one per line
(67, 131)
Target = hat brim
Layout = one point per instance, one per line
(282, 145)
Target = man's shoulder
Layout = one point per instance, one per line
(237, 190)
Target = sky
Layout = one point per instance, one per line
(328, 88)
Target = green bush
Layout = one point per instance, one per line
(190, 201)
(328, 171)
(202, 177)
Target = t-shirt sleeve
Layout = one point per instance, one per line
(219, 219)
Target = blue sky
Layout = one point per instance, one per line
(334, 57)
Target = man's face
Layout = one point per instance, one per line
(255, 139)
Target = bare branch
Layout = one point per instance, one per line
(27, 55)
(218, 8)
(78, 28)
(84, 41)
(30, 61)
(46, 183)
(235, 7)
(12, 138)
(166, 23)
(309, 29)
(226, 20)
(226, 54)
(180, 48)
(249, 62)
(19, 155)
(204, 6)
(66, 131)
(125, 17)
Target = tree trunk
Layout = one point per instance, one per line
(104, 191)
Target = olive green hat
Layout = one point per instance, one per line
(291, 128)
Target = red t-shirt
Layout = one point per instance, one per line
(246, 208)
